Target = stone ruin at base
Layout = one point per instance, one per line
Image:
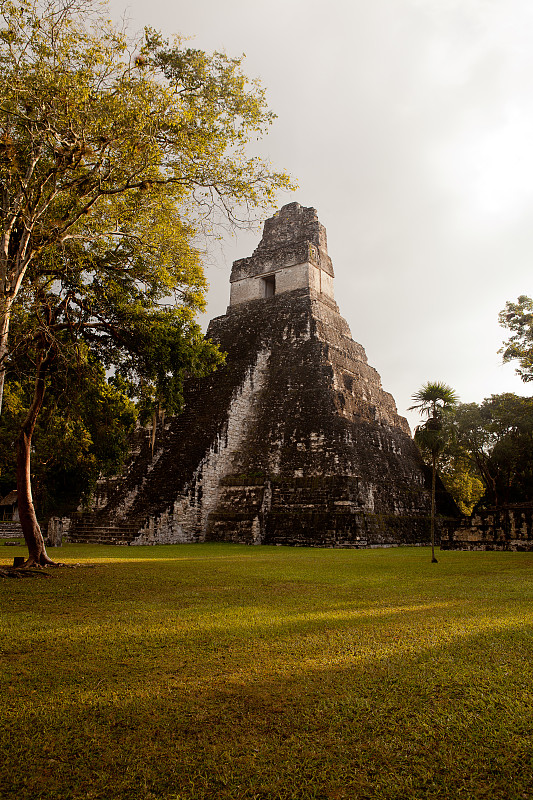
(292, 442)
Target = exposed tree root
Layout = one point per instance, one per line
(32, 570)
(42, 561)
(23, 572)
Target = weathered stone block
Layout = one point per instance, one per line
(500, 528)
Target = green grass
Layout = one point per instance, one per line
(225, 671)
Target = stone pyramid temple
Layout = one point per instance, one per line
(292, 442)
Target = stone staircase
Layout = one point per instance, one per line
(282, 511)
(88, 530)
(148, 487)
(10, 530)
(239, 516)
(104, 524)
(329, 505)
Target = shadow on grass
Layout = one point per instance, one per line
(451, 720)
(302, 674)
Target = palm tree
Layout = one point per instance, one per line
(432, 400)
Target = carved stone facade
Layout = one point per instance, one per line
(292, 255)
(293, 442)
(499, 528)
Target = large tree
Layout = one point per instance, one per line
(432, 400)
(81, 433)
(113, 156)
(494, 441)
(94, 313)
(93, 126)
(518, 318)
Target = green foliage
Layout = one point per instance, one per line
(432, 398)
(118, 159)
(493, 442)
(82, 433)
(115, 155)
(430, 439)
(435, 439)
(87, 321)
(518, 318)
(84, 122)
(461, 480)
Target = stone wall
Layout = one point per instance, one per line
(503, 528)
(57, 531)
(186, 520)
(10, 530)
(296, 276)
(292, 254)
(323, 417)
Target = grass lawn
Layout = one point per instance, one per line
(224, 671)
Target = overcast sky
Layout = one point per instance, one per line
(408, 125)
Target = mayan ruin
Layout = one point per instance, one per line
(293, 442)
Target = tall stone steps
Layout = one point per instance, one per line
(239, 514)
(115, 489)
(103, 534)
(11, 530)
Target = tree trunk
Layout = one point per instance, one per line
(489, 481)
(433, 489)
(154, 429)
(28, 520)
(5, 314)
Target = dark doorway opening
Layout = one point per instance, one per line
(270, 285)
